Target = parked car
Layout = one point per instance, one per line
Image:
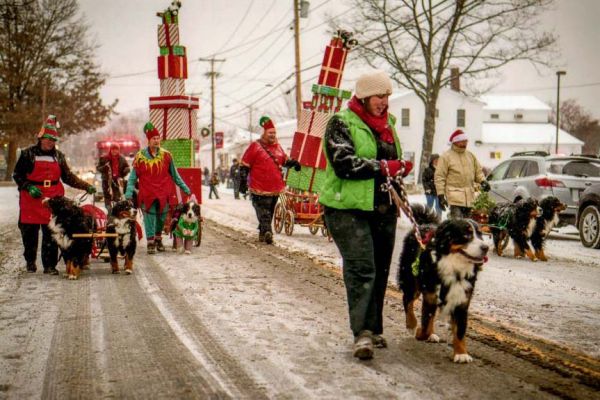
(538, 175)
(588, 217)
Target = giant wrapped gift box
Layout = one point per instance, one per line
(311, 179)
(175, 116)
(168, 35)
(182, 151)
(193, 179)
(306, 145)
(172, 87)
(172, 66)
(333, 64)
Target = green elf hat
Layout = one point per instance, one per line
(49, 129)
(150, 131)
(266, 122)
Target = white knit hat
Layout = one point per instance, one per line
(373, 83)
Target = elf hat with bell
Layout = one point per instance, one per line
(150, 130)
(49, 129)
(266, 122)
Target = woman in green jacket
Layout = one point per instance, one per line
(362, 151)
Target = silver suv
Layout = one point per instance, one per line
(538, 175)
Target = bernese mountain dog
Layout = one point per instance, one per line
(66, 220)
(444, 272)
(551, 208)
(185, 226)
(516, 220)
(122, 222)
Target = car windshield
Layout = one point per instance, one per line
(575, 167)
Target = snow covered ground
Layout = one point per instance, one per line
(558, 300)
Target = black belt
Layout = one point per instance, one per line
(46, 183)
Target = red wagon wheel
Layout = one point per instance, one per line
(288, 222)
(278, 218)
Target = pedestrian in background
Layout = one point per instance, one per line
(363, 151)
(427, 178)
(214, 181)
(262, 164)
(114, 168)
(234, 175)
(39, 173)
(157, 175)
(455, 177)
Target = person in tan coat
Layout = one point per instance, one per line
(456, 176)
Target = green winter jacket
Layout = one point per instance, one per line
(355, 194)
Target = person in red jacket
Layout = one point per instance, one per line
(39, 173)
(262, 163)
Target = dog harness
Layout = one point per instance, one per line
(183, 226)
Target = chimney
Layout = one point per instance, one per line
(455, 79)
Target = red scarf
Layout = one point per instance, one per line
(378, 124)
(114, 165)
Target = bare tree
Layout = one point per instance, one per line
(419, 40)
(46, 67)
(580, 123)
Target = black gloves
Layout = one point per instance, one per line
(443, 202)
(485, 186)
(292, 163)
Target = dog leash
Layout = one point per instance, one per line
(401, 199)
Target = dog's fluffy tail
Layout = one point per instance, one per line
(424, 215)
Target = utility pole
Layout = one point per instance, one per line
(297, 48)
(558, 74)
(212, 74)
(250, 124)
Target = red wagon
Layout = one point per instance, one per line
(299, 207)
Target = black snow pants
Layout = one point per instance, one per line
(264, 207)
(30, 235)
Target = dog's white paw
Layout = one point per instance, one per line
(412, 331)
(433, 338)
(128, 271)
(188, 252)
(462, 358)
(72, 277)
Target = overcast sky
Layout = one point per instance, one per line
(125, 31)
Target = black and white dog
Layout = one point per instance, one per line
(551, 208)
(517, 220)
(444, 272)
(122, 223)
(68, 219)
(185, 226)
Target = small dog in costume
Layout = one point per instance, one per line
(186, 226)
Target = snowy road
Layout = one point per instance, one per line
(236, 321)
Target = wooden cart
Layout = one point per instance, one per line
(301, 208)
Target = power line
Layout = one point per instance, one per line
(236, 28)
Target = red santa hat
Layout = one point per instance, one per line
(115, 146)
(458, 136)
(266, 122)
(150, 130)
(49, 129)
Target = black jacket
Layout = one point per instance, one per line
(428, 181)
(25, 166)
(104, 167)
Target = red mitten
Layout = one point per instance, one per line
(408, 166)
(393, 166)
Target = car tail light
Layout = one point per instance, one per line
(546, 182)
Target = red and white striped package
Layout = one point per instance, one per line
(172, 87)
(175, 123)
(168, 35)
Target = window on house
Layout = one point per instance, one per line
(460, 118)
(406, 117)
(518, 116)
(494, 116)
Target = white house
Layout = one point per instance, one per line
(454, 110)
(513, 123)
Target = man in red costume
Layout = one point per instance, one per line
(157, 175)
(262, 163)
(38, 174)
(114, 168)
